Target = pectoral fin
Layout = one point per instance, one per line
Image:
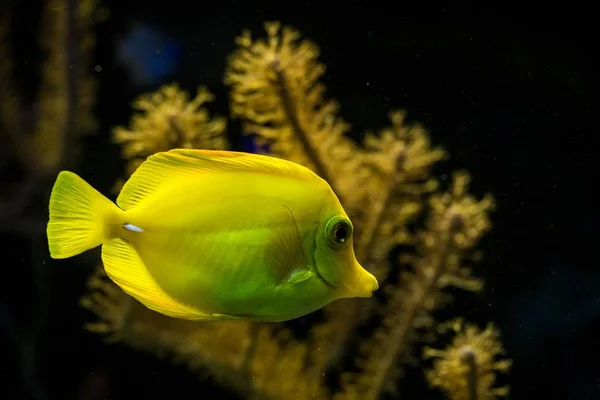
(285, 253)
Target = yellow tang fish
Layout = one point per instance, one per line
(205, 235)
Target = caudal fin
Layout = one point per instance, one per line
(81, 218)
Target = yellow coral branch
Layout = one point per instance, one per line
(62, 110)
(400, 158)
(275, 90)
(168, 119)
(67, 91)
(455, 224)
(466, 370)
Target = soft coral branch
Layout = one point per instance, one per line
(40, 138)
(467, 368)
(456, 222)
(275, 91)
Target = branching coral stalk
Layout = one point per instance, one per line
(400, 158)
(287, 356)
(466, 370)
(68, 91)
(455, 224)
(63, 109)
(168, 119)
(39, 138)
(275, 91)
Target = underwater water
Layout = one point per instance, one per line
(457, 141)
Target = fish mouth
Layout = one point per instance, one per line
(358, 282)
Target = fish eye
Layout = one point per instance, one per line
(338, 231)
(341, 233)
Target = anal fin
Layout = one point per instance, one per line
(124, 266)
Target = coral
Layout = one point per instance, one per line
(38, 136)
(386, 185)
(466, 369)
(168, 119)
(67, 90)
(275, 91)
(44, 137)
(455, 224)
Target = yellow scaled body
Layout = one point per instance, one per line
(201, 234)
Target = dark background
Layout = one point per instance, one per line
(505, 91)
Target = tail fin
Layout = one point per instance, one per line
(81, 218)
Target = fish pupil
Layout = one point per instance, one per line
(341, 233)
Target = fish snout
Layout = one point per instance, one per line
(359, 283)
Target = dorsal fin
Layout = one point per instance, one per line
(162, 167)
